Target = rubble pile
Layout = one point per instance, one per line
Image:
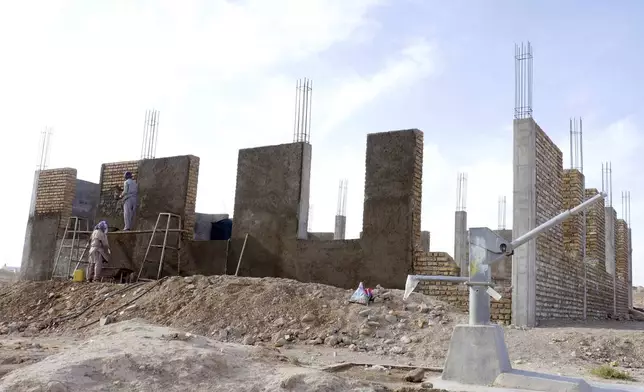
(268, 311)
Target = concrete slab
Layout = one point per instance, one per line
(439, 383)
(477, 355)
(541, 382)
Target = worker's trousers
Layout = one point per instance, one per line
(95, 266)
(129, 210)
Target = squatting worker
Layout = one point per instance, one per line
(129, 196)
(98, 251)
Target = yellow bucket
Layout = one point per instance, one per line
(79, 275)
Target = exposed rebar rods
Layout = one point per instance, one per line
(342, 198)
(150, 134)
(576, 144)
(502, 212)
(523, 81)
(461, 191)
(303, 101)
(626, 207)
(44, 147)
(607, 183)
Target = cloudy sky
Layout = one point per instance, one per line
(222, 74)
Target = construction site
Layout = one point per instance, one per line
(257, 302)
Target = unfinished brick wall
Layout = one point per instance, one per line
(457, 295)
(53, 206)
(573, 193)
(111, 182)
(55, 193)
(191, 196)
(558, 290)
(595, 230)
(621, 250)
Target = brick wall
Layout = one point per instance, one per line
(559, 289)
(191, 196)
(55, 193)
(595, 230)
(112, 177)
(573, 193)
(417, 191)
(455, 294)
(621, 249)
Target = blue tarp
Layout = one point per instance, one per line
(221, 230)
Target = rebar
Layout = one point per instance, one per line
(303, 101)
(523, 81)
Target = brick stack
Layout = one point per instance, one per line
(191, 197)
(559, 288)
(55, 193)
(595, 230)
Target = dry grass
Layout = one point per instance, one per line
(611, 373)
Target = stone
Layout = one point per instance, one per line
(280, 342)
(331, 340)
(415, 375)
(365, 312)
(105, 320)
(390, 318)
(373, 323)
(405, 339)
(381, 334)
(365, 331)
(279, 322)
(396, 350)
(188, 279)
(191, 287)
(427, 385)
(317, 341)
(308, 318)
(249, 340)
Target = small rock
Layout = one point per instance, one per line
(427, 385)
(279, 322)
(353, 347)
(422, 308)
(518, 362)
(280, 342)
(105, 320)
(405, 339)
(381, 334)
(391, 318)
(191, 287)
(389, 341)
(385, 295)
(50, 311)
(188, 279)
(365, 312)
(249, 340)
(308, 318)
(373, 323)
(396, 350)
(331, 340)
(365, 331)
(51, 295)
(317, 341)
(415, 375)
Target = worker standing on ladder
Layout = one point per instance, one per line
(129, 196)
(98, 252)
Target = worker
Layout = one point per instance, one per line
(129, 196)
(99, 251)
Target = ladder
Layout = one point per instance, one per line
(163, 229)
(76, 239)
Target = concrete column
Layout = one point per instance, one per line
(524, 219)
(609, 235)
(424, 240)
(340, 227)
(461, 242)
(305, 190)
(26, 248)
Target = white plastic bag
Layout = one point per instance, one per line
(359, 296)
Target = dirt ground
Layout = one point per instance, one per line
(306, 326)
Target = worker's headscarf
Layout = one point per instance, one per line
(102, 226)
(128, 175)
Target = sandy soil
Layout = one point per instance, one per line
(310, 325)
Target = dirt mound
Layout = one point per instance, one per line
(134, 356)
(269, 311)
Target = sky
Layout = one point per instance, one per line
(223, 73)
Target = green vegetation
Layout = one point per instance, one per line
(611, 373)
